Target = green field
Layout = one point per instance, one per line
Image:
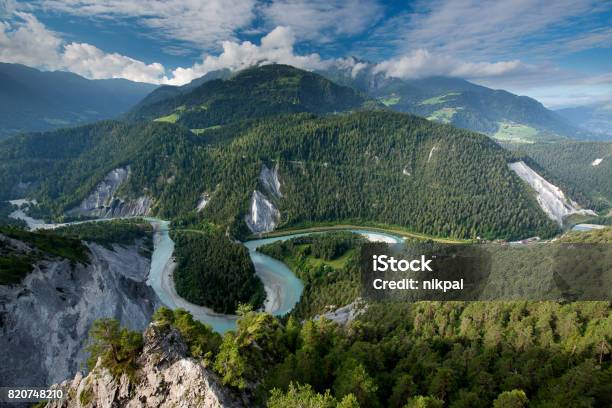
(390, 100)
(516, 133)
(438, 99)
(172, 118)
(202, 130)
(322, 227)
(444, 115)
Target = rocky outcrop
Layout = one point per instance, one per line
(431, 152)
(166, 377)
(44, 320)
(550, 197)
(204, 200)
(263, 216)
(103, 202)
(346, 314)
(269, 179)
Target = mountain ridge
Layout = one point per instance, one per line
(497, 113)
(330, 168)
(35, 100)
(218, 99)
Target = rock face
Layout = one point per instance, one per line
(204, 200)
(263, 215)
(346, 314)
(550, 197)
(103, 203)
(269, 179)
(44, 321)
(166, 378)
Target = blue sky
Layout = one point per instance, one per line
(559, 52)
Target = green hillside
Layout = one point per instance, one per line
(34, 100)
(497, 113)
(382, 167)
(251, 93)
(575, 166)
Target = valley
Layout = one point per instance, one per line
(282, 288)
(224, 220)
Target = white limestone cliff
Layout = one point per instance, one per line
(269, 179)
(550, 197)
(102, 202)
(263, 216)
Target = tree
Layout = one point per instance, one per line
(248, 352)
(230, 363)
(117, 348)
(403, 389)
(443, 383)
(301, 396)
(354, 379)
(349, 401)
(511, 399)
(424, 402)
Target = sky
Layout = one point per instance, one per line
(557, 51)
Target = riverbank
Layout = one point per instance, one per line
(378, 228)
(283, 288)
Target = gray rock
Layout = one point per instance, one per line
(44, 321)
(346, 314)
(269, 179)
(263, 216)
(166, 377)
(103, 202)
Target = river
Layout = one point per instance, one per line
(283, 288)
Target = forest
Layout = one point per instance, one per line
(327, 264)
(111, 232)
(212, 271)
(16, 261)
(263, 91)
(571, 165)
(446, 181)
(425, 354)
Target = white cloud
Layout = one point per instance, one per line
(276, 47)
(24, 39)
(476, 29)
(421, 63)
(7, 8)
(200, 23)
(323, 20)
(27, 41)
(91, 62)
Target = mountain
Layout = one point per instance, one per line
(595, 118)
(255, 92)
(69, 284)
(171, 91)
(496, 113)
(396, 354)
(34, 100)
(293, 170)
(582, 169)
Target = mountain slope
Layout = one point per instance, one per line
(596, 118)
(33, 100)
(582, 169)
(255, 92)
(366, 167)
(69, 284)
(497, 113)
